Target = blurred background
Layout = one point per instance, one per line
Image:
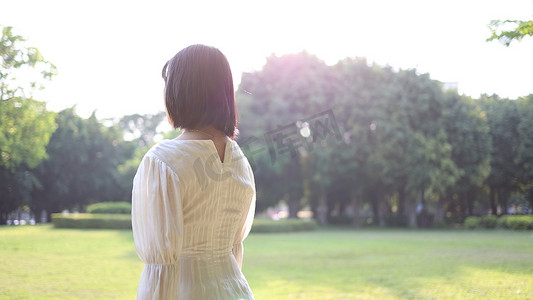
(381, 113)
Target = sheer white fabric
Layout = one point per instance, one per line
(190, 215)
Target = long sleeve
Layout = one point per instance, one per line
(245, 224)
(157, 222)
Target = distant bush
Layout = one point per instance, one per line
(488, 221)
(109, 208)
(287, 225)
(122, 221)
(108, 221)
(472, 222)
(519, 222)
(396, 221)
(502, 222)
(340, 220)
(516, 222)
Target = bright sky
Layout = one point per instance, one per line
(109, 54)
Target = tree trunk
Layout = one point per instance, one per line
(322, 209)
(314, 211)
(411, 210)
(423, 220)
(439, 210)
(49, 216)
(463, 203)
(492, 197)
(382, 207)
(342, 208)
(375, 207)
(330, 204)
(294, 205)
(356, 222)
(470, 202)
(293, 176)
(531, 200)
(375, 211)
(3, 218)
(504, 200)
(401, 202)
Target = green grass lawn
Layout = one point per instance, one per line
(40, 262)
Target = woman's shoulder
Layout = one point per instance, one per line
(164, 147)
(170, 152)
(182, 153)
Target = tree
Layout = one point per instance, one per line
(288, 88)
(359, 90)
(141, 128)
(525, 148)
(503, 120)
(517, 32)
(404, 143)
(82, 166)
(467, 129)
(25, 126)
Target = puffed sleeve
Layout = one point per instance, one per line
(245, 224)
(157, 223)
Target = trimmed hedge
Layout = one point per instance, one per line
(488, 221)
(516, 222)
(121, 221)
(286, 225)
(108, 221)
(472, 222)
(501, 222)
(109, 208)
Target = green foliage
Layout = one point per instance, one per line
(516, 222)
(506, 173)
(468, 134)
(107, 221)
(288, 225)
(288, 89)
(489, 221)
(84, 156)
(15, 189)
(340, 220)
(396, 221)
(525, 147)
(141, 128)
(403, 138)
(109, 208)
(472, 222)
(520, 222)
(400, 141)
(25, 125)
(520, 30)
(15, 56)
(25, 130)
(502, 222)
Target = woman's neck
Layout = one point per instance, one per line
(203, 133)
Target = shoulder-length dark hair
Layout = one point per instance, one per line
(199, 90)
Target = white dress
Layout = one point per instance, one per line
(190, 214)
